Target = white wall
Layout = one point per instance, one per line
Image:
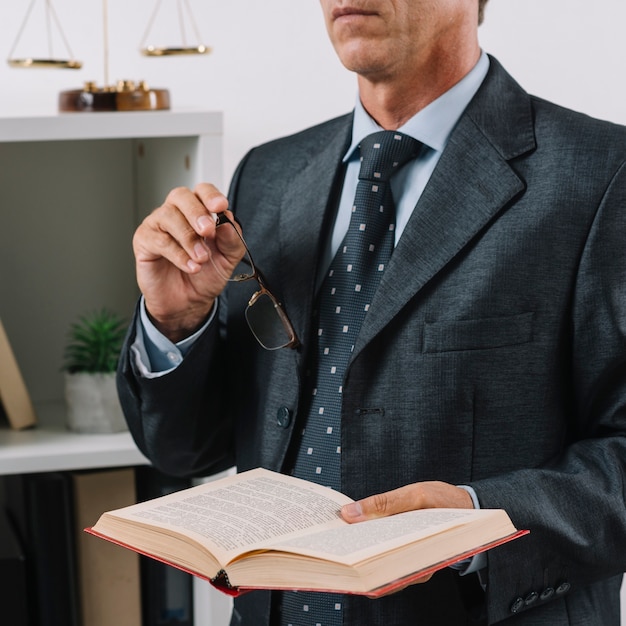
(273, 71)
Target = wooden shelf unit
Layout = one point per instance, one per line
(74, 188)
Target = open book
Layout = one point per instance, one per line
(263, 530)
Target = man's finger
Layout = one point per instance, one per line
(425, 495)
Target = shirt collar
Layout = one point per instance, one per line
(433, 124)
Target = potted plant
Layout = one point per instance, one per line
(90, 361)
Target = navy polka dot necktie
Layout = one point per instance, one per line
(343, 301)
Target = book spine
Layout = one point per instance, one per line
(15, 401)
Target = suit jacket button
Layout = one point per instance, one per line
(517, 605)
(547, 593)
(531, 598)
(283, 417)
(562, 588)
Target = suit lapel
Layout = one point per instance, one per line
(471, 184)
(303, 217)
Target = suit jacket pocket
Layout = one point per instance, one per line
(478, 334)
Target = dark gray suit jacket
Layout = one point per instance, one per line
(493, 355)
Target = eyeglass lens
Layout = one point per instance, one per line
(267, 322)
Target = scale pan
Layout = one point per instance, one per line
(155, 51)
(69, 64)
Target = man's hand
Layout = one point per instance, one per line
(177, 249)
(425, 495)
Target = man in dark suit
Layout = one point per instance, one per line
(490, 368)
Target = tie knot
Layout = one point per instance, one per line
(384, 153)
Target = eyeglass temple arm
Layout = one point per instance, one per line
(220, 220)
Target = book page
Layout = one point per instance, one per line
(376, 555)
(356, 542)
(242, 512)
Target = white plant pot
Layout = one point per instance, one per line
(93, 405)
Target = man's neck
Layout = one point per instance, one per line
(393, 102)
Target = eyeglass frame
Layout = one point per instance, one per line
(221, 219)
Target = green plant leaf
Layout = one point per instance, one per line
(94, 342)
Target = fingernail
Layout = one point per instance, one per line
(193, 266)
(204, 222)
(353, 510)
(200, 251)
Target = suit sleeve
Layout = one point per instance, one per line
(175, 419)
(575, 505)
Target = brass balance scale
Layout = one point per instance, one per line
(125, 95)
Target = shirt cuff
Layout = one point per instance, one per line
(155, 355)
(478, 561)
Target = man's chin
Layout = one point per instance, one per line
(363, 56)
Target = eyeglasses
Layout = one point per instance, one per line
(265, 315)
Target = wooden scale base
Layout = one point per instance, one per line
(125, 96)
